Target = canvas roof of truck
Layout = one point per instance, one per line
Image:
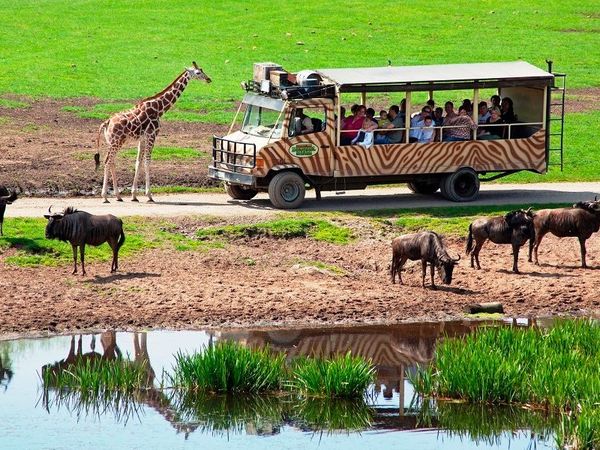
(442, 76)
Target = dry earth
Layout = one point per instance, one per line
(249, 282)
(274, 282)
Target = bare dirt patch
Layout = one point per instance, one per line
(48, 151)
(582, 100)
(269, 282)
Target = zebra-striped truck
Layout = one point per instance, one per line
(294, 136)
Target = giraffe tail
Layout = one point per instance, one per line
(97, 154)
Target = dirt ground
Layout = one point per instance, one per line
(274, 282)
(47, 151)
(258, 282)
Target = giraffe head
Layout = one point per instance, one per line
(198, 73)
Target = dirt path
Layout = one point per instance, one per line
(374, 198)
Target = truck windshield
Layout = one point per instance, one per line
(263, 122)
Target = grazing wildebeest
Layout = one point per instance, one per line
(426, 246)
(6, 198)
(579, 221)
(81, 228)
(514, 228)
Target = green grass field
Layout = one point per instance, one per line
(119, 51)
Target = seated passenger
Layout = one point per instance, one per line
(368, 127)
(302, 123)
(438, 116)
(395, 133)
(484, 113)
(494, 119)
(427, 131)
(383, 119)
(353, 124)
(468, 105)
(417, 122)
(462, 120)
(495, 99)
(508, 114)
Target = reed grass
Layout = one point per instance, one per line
(343, 376)
(554, 369)
(97, 376)
(229, 367)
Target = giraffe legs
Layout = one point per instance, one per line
(147, 158)
(110, 165)
(141, 149)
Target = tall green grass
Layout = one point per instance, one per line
(554, 369)
(343, 376)
(229, 367)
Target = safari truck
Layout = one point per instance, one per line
(291, 135)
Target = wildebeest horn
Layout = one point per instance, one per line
(528, 209)
(457, 259)
(50, 212)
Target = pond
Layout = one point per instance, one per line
(159, 418)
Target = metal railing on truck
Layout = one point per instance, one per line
(235, 156)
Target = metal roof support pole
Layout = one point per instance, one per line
(407, 116)
(338, 125)
(363, 98)
(475, 112)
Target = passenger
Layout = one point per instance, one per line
(495, 119)
(369, 125)
(438, 116)
(353, 123)
(508, 114)
(302, 123)
(495, 100)
(449, 109)
(393, 136)
(431, 104)
(383, 119)
(468, 106)
(427, 131)
(484, 113)
(417, 122)
(464, 132)
(402, 110)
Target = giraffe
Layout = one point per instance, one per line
(142, 124)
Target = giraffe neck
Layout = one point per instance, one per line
(164, 100)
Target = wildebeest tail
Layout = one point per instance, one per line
(469, 248)
(121, 239)
(97, 154)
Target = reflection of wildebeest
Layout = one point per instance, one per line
(580, 221)
(426, 246)
(81, 228)
(514, 228)
(6, 198)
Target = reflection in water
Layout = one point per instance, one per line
(487, 424)
(6, 372)
(395, 350)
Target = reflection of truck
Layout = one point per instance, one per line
(272, 152)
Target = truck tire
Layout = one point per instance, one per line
(287, 190)
(461, 186)
(237, 192)
(424, 187)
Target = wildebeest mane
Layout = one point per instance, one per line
(438, 248)
(587, 206)
(69, 210)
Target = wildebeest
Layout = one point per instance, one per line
(426, 246)
(81, 228)
(6, 198)
(516, 228)
(579, 221)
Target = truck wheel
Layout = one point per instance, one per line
(424, 187)
(237, 192)
(286, 190)
(461, 186)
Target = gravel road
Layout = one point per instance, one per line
(373, 198)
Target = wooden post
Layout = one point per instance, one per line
(407, 116)
(475, 110)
